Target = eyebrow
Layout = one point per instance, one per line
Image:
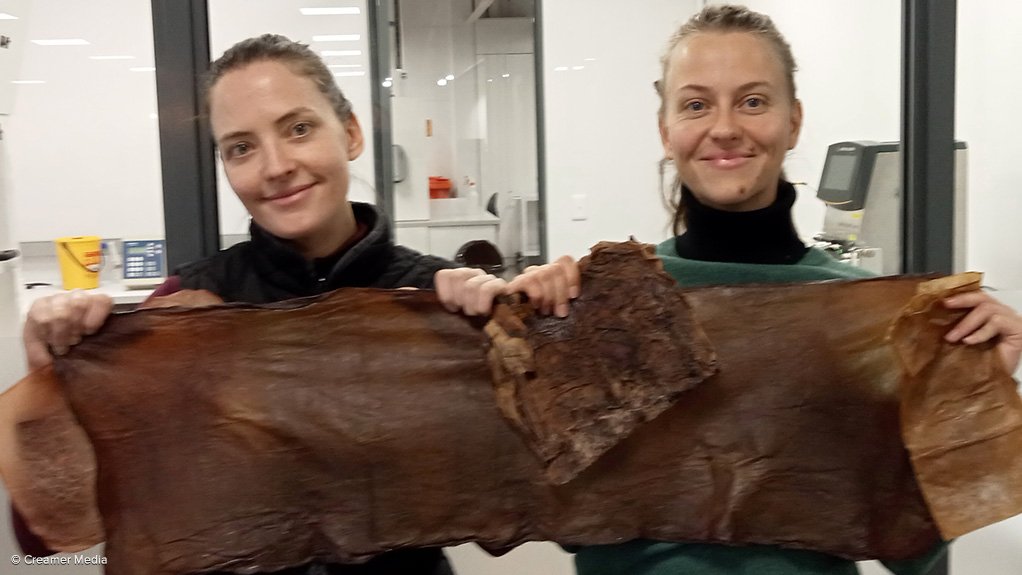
(743, 88)
(281, 121)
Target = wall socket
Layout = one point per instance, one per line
(578, 208)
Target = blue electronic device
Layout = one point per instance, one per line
(144, 263)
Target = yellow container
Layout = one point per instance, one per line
(80, 260)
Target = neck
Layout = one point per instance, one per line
(332, 238)
(763, 236)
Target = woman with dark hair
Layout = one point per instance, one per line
(286, 134)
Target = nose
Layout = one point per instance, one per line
(725, 125)
(277, 160)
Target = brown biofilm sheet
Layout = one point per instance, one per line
(48, 465)
(252, 449)
(46, 460)
(961, 414)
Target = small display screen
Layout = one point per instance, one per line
(840, 169)
(143, 260)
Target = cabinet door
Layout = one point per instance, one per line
(444, 241)
(416, 238)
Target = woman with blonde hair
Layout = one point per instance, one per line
(729, 113)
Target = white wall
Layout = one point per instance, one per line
(601, 128)
(988, 82)
(84, 149)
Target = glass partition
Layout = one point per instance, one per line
(462, 92)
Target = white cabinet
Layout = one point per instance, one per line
(442, 238)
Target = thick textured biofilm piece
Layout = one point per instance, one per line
(245, 438)
(602, 375)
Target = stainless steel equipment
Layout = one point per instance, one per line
(861, 185)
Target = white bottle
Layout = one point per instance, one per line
(112, 259)
(473, 195)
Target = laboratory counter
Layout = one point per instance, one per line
(40, 277)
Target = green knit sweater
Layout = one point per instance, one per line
(657, 558)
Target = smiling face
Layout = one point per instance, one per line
(728, 119)
(286, 154)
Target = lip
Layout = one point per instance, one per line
(289, 196)
(727, 161)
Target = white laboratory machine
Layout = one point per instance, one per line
(861, 185)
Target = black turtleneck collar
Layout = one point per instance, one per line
(763, 236)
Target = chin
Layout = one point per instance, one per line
(288, 230)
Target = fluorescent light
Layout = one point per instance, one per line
(143, 69)
(330, 11)
(344, 66)
(560, 68)
(341, 52)
(505, 75)
(337, 38)
(28, 81)
(449, 77)
(388, 83)
(589, 59)
(441, 82)
(111, 57)
(578, 67)
(362, 73)
(61, 42)
(6, 16)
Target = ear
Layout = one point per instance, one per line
(665, 140)
(353, 132)
(796, 123)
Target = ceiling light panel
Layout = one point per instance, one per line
(61, 42)
(337, 38)
(331, 11)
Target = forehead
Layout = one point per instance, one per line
(724, 59)
(261, 92)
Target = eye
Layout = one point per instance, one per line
(301, 129)
(238, 150)
(695, 106)
(754, 102)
